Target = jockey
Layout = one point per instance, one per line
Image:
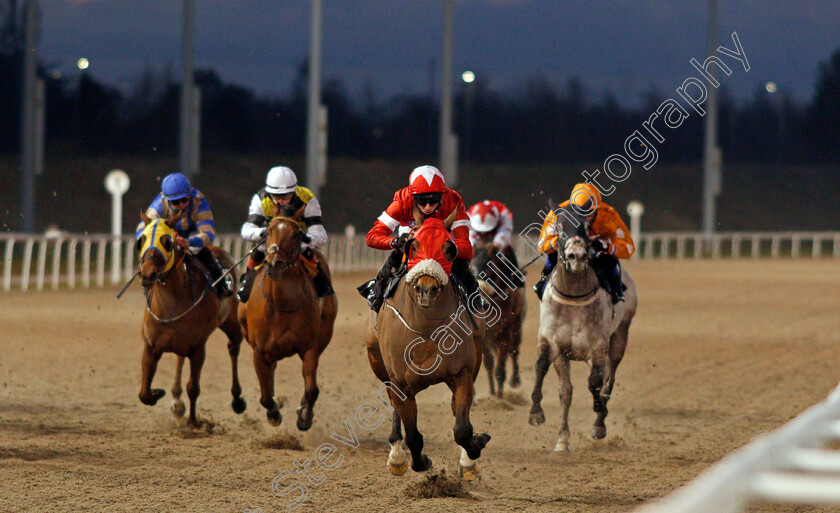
(609, 236)
(491, 222)
(195, 229)
(282, 196)
(427, 190)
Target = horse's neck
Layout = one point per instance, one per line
(574, 284)
(176, 288)
(288, 288)
(423, 318)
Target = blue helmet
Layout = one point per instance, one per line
(175, 186)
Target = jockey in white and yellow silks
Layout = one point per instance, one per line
(282, 196)
(607, 233)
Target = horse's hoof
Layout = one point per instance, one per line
(535, 419)
(561, 447)
(154, 397)
(304, 421)
(238, 404)
(482, 440)
(274, 417)
(598, 432)
(398, 470)
(193, 424)
(423, 465)
(281, 401)
(469, 473)
(178, 408)
(515, 382)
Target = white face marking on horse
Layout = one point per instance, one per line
(576, 254)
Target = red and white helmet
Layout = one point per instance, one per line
(483, 217)
(426, 180)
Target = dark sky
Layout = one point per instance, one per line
(627, 46)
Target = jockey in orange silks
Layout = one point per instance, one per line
(607, 232)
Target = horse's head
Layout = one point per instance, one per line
(573, 229)
(483, 255)
(156, 248)
(430, 254)
(283, 244)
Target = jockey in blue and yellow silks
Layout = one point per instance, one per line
(195, 228)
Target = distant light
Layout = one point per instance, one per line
(771, 87)
(83, 63)
(468, 76)
(56, 75)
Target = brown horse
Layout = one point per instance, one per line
(420, 337)
(181, 312)
(504, 283)
(284, 316)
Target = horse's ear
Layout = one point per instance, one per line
(411, 247)
(172, 220)
(146, 219)
(167, 242)
(450, 219)
(139, 244)
(298, 215)
(450, 251)
(418, 217)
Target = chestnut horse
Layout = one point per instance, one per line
(504, 283)
(284, 317)
(413, 342)
(181, 312)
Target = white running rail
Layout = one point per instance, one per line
(81, 260)
(787, 466)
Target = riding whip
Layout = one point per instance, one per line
(127, 284)
(228, 271)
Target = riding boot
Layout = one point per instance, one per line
(323, 287)
(608, 270)
(206, 257)
(550, 262)
(374, 290)
(617, 287)
(247, 282)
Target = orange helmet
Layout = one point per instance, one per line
(585, 196)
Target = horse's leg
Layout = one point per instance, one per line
(193, 387)
(177, 406)
(471, 446)
(537, 416)
(148, 395)
(516, 341)
(397, 459)
(407, 410)
(310, 388)
(233, 330)
(501, 362)
(265, 375)
(618, 343)
(488, 366)
(599, 405)
(561, 365)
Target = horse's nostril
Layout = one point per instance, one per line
(572, 256)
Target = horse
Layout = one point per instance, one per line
(502, 281)
(404, 341)
(181, 312)
(284, 317)
(579, 322)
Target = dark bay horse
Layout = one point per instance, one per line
(181, 312)
(284, 317)
(579, 322)
(504, 283)
(420, 337)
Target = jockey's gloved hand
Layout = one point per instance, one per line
(399, 242)
(184, 243)
(263, 233)
(305, 238)
(306, 251)
(600, 246)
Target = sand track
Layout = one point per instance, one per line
(719, 352)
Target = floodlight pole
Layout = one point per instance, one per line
(712, 155)
(314, 115)
(28, 123)
(186, 140)
(447, 145)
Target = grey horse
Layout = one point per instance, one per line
(579, 322)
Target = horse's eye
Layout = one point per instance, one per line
(417, 288)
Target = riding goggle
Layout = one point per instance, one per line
(427, 199)
(180, 201)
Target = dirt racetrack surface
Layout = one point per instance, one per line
(719, 353)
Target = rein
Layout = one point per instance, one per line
(409, 328)
(192, 306)
(566, 299)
